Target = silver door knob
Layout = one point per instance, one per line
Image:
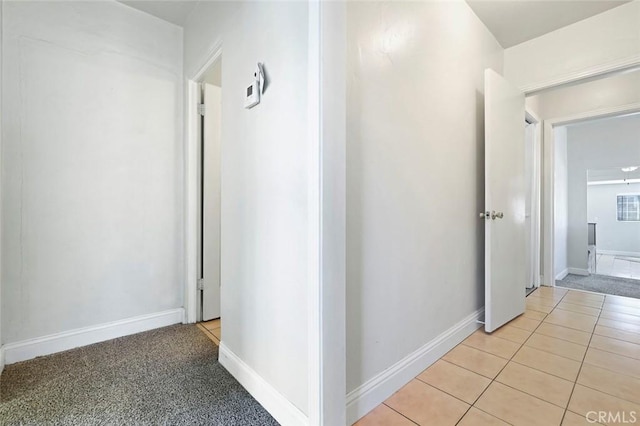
(485, 215)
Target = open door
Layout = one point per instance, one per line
(505, 193)
(211, 202)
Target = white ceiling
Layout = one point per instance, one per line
(511, 21)
(515, 21)
(174, 11)
(613, 174)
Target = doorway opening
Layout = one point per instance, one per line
(602, 95)
(209, 123)
(613, 212)
(597, 205)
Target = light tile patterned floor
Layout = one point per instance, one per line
(212, 329)
(618, 266)
(571, 352)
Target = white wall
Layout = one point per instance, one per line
(264, 184)
(92, 166)
(606, 38)
(561, 202)
(415, 176)
(601, 144)
(612, 235)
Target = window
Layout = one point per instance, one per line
(629, 208)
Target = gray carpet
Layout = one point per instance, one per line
(168, 376)
(602, 284)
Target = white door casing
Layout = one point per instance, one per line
(530, 203)
(211, 202)
(505, 192)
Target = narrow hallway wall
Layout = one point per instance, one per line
(415, 178)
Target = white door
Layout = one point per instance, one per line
(505, 192)
(211, 203)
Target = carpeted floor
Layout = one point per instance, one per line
(602, 284)
(168, 376)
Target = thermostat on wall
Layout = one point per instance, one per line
(252, 95)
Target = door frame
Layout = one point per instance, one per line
(192, 186)
(536, 210)
(549, 180)
(591, 73)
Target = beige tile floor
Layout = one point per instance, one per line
(212, 329)
(571, 352)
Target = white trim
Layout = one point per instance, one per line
(548, 163)
(191, 205)
(273, 401)
(613, 182)
(536, 213)
(578, 271)
(373, 392)
(548, 204)
(31, 348)
(1, 359)
(619, 253)
(562, 275)
(211, 57)
(579, 77)
(605, 112)
(314, 224)
(327, 213)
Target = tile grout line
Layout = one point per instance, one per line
(584, 357)
(601, 309)
(533, 347)
(393, 409)
(614, 353)
(545, 351)
(542, 371)
(624, 322)
(502, 369)
(581, 365)
(519, 348)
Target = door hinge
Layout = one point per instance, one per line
(201, 109)
(200, 283)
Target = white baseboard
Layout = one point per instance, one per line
(273, 401)
(1, 359)
(562, 274)
(619, 253)
(376, 390)
(31, 348)
(578, 271)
